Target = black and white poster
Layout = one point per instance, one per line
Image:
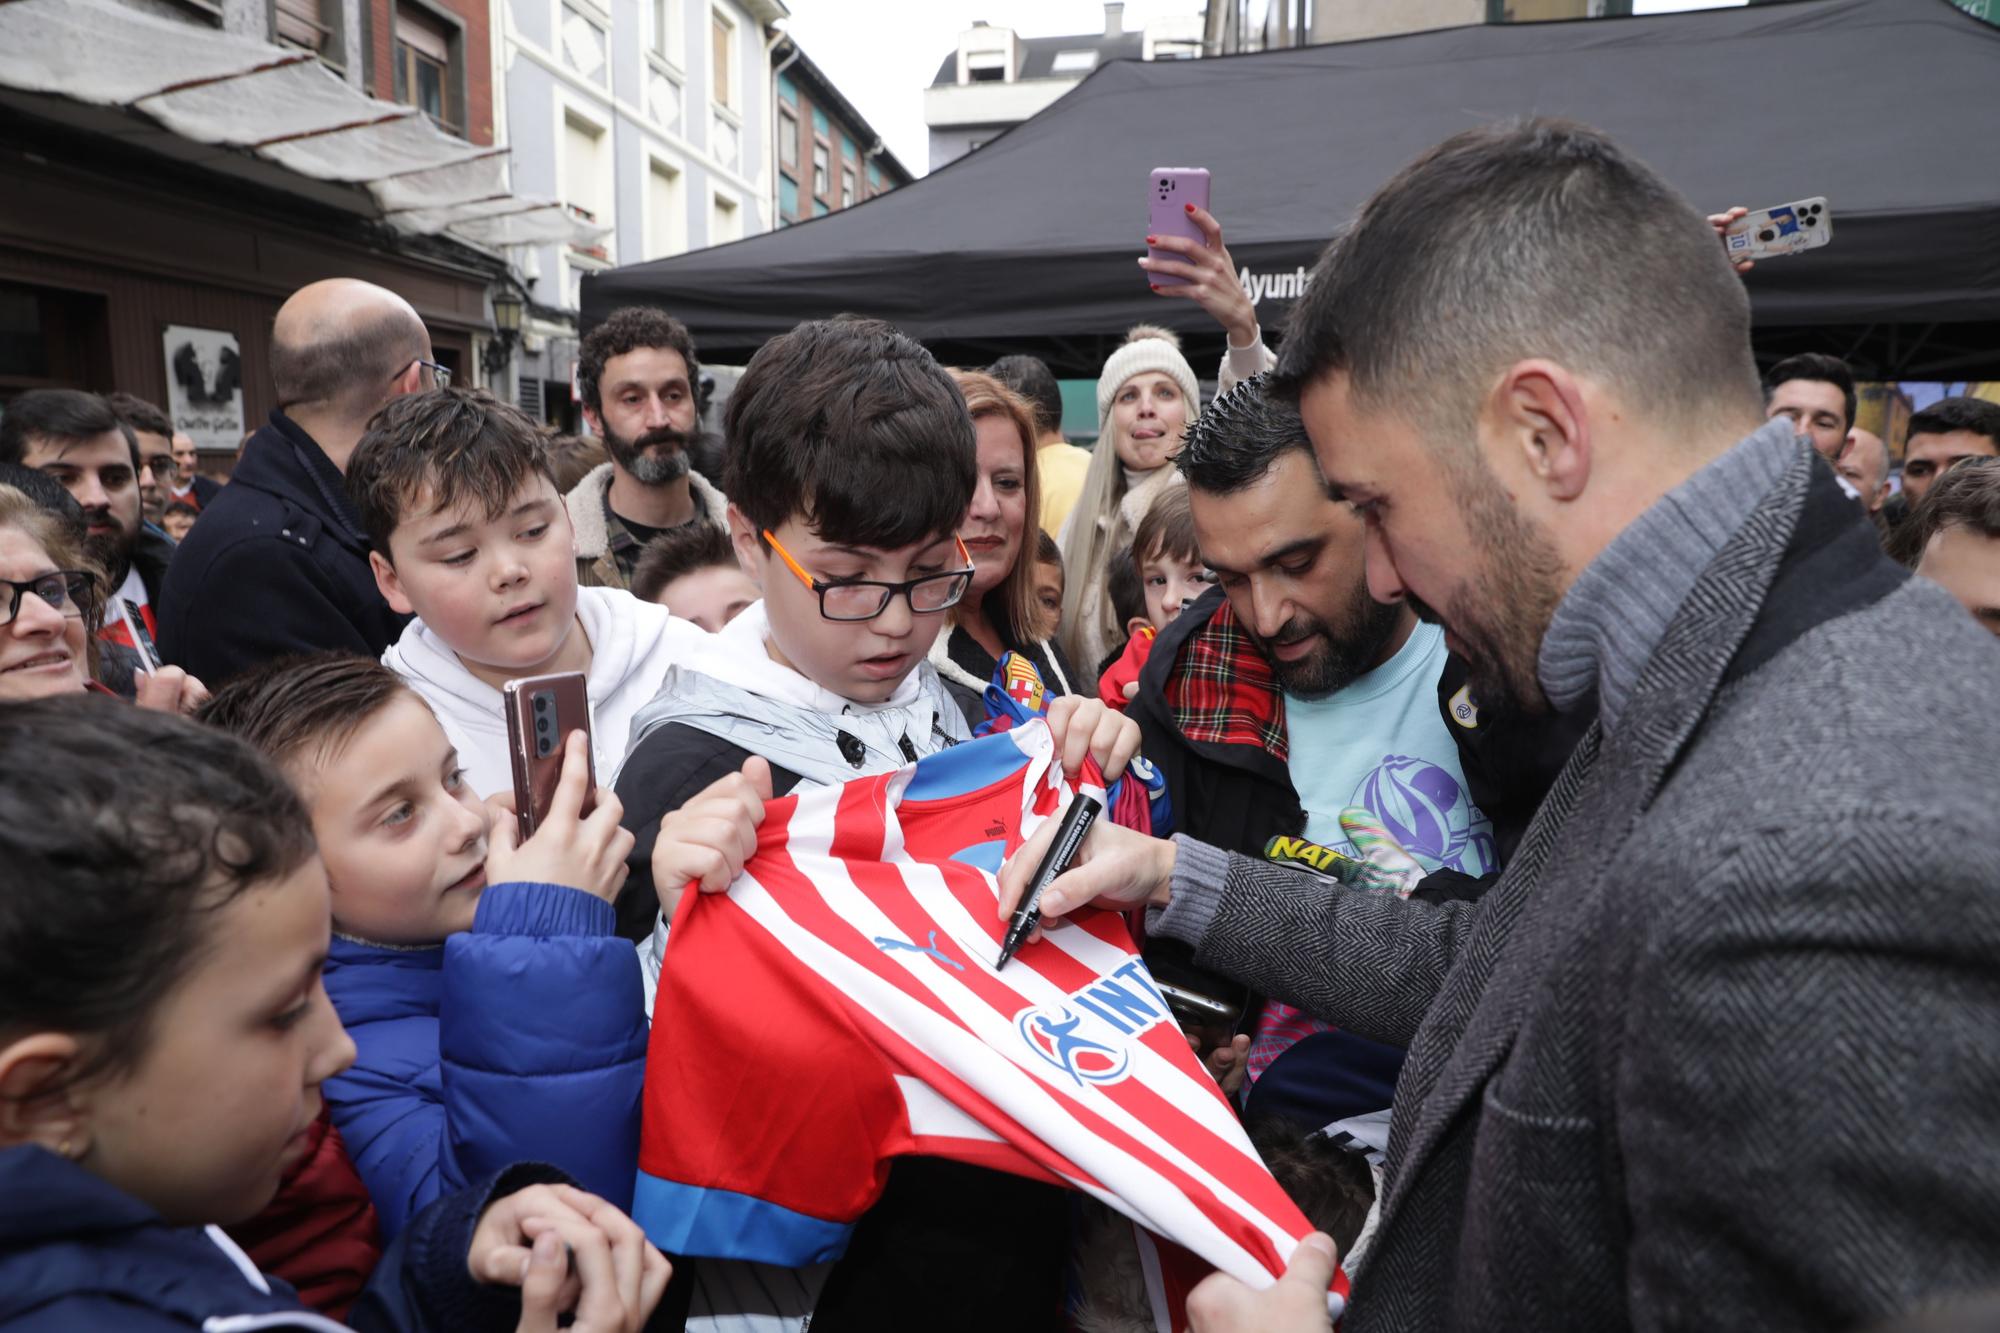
(205, 386)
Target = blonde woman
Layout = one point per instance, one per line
(1145, 399)
(998, 613)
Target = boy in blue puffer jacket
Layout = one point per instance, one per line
(497, 1014)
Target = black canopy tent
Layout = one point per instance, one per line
(1890, 108)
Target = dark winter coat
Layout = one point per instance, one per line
(524, 1037)
(79, 1255)
(278, 565)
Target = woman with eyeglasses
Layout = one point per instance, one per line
(50, 606)
(998, 613)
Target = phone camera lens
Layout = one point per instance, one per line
(541, 703)
(542, 725)
(1767, 235)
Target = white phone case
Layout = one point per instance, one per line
(1784, 230)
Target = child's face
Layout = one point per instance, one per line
(403, 837)
(1048, 599)
(1170, 583)
(710, 597)
(864, 660)
(216, 1110)
(500, 592)
(177, 525)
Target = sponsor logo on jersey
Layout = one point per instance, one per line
(1088, 1038)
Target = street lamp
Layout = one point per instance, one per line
(507, 310)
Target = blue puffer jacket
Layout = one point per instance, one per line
(79, 1255)
(521, 1039)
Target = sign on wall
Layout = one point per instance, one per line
(205, 386)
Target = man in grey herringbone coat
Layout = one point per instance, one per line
(1722, 1047)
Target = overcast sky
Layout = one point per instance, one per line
(882, 54)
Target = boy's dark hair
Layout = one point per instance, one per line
(1819, 367)
(51, 495)
(1046, 550)
(1166, 530)
(856, 430)
(1123, 586)
(1966, 495)
(682, 550)
(181, 507)
(464, 444)
(1443, 281)
(61, 415)
(122, 829)
(303, 708)
(1954, 414)
(624, 331)
(1031, 377)
(139, 414)
(1239, 437)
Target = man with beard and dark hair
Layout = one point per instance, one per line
(637, 374)
(1721, 1047)
(1288, 695)
(76, 438)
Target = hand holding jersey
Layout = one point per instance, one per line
(711, 837)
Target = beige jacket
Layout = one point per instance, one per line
(601, 540)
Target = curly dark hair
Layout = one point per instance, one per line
(624, 331)
(123, 830)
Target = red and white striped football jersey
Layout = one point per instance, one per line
(839, 1007)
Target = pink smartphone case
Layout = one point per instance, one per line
(1170, 191)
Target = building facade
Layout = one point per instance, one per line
(996, 78)
(650, 118)
(137, 255)
(829, 157)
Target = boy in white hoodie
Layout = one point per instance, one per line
(850, 465)
(469, 533)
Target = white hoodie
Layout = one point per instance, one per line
(632, 645)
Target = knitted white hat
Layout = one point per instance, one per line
(1136, 358)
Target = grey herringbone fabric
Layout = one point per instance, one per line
(1722, 1048)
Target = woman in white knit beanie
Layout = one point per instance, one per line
(1145, 399)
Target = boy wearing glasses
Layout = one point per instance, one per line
(468, 532)
(851, 463)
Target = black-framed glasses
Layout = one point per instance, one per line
(440, 375)
(865, 599)
(65, 590)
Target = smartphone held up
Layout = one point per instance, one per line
(1168, 194)
(541, 713)
(1786, 229)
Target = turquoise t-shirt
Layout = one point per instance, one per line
(1381, 743)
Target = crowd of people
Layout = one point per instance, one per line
(1556, 772)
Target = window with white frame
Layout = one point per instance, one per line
(665, 44)
(726, 221)
(847, 187)
(583, 168)
(788, 139)
(822, 171)
(722, 59)
(666, 212)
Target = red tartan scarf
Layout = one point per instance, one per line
(1222, 690)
